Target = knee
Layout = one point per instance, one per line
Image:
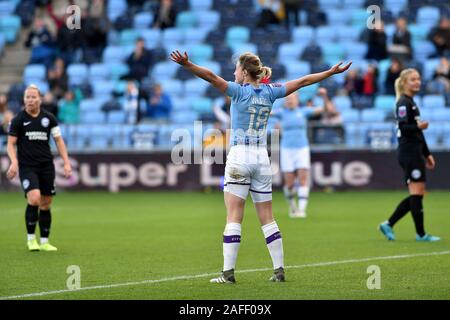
(34, 199)
(45, 203)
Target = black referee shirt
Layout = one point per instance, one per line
(410, 136)
(33, 136)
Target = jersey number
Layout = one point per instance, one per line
(261, 118)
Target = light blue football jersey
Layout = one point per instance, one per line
(250, 110)
(294, 125)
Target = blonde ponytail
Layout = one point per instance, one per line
(266, 72)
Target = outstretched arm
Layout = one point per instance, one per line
(200, 72)
(296, 84)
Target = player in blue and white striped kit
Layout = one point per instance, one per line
(248, 165)
(295, 152)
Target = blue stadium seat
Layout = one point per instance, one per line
(7, 8)
(91, 105)
(337, 17)
(100, 137)
(152, 37)
(303, 34)
(395, 6)
(429, 68)
(196, 87)
(186, 19)
(359, 17)
(115, 9)
(240, 48)
(419, 32)
(34, 72)
(202, 105)
(122, 136)
(117, 117)
(355, 134)
(342, 102)
(98, 71)
(78, 73)
(433, 101)
(164, 70)
(446, 134)
(348, 33)
(173, 87)
(353, 4)
(329, 4)
(442, 114)
(114, 54)
(142, 20)
(94, 117)
(350, 115)
(117, 69)
(10, 26)
(183, 117)
(103, 89)
(208, 19)
(194, 36)
(422, 50)
(385, 102)
(308, 92)
(201, 53)
(428, 15)
(172, 36)
(128, 37)
(237, 35)
(326, 34)
(213, 66)
(373, 115)
(355, 50)
(333, 52)
(433, 135)
(200, 5)
(290, 51)
(180, 104)
(296, 68)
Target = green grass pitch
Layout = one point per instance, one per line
(161, 245)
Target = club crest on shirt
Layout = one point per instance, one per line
(26, 183)
(416, 173)
(402, 111)
(45, 122)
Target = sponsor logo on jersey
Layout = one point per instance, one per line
(416, 174)
(36, 135)
(45, 122)
(26, 183)
(26, 123)
(402, 111)
(275, 85)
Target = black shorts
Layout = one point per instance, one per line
(42, 178)
(413, 168)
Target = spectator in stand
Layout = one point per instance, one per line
(57, 78)
(5, 115)
(401, 40)
(291, 9)
(440, 36)
(41, 43)
(165, 15)
(139, 61)
(440, 84)
(271, 12)
(393, 73)
(159, 104)
(377, 49)
(370, 81)
(131, 102)
(69, 43)
(68, 111)
(95, 36)
(49, 104)
(353, 83)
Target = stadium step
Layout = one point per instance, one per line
(13, 62)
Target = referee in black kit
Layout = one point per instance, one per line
(30, 130)
(413, 155)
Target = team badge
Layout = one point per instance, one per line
(45, 122)
(416, 174)
(26, 183)
(402, 111)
